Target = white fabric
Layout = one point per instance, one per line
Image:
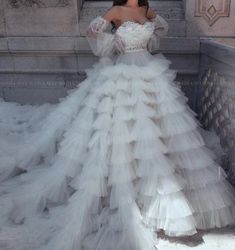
(160, 30)
(118, 158)
(126, 38)
(102, 42)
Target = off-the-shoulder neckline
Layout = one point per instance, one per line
(130, 21)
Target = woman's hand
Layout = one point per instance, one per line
(91, 33)
(151, 13)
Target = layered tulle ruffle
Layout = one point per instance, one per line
(120, 157)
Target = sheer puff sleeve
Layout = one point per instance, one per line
(102, 42)
(160, 30)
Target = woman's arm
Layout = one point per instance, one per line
(161, 26)
(160, 30)
(103, 21)
(102, 42)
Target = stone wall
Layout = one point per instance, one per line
(32, 18)
(210, 18)
(38, 49)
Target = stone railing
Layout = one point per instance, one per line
(216, 96)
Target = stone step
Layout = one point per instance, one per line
(79, 45)
(177, 27)
(167, 9)
(72, 54)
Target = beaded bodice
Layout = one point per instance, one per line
(135, 36)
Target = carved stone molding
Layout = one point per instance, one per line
(38, 3)
(212, 10)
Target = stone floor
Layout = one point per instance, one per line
(218, 239)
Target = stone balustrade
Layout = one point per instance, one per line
(216, 96)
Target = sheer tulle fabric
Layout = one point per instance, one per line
(161, 28)
(117, 159)
(104, 43)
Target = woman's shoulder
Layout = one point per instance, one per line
(115, 12)
(112, 13)
(148, 11)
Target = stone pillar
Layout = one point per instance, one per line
(210, 18)
(80, 4)
(2, 20)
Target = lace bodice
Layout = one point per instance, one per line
(135, 36)
(130, 36)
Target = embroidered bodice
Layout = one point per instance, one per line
(135, 36)
(130, 36)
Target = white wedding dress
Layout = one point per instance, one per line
(118, 159)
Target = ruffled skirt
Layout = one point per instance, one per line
(116, 160)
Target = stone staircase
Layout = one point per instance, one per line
(170, 10)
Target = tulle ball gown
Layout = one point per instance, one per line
(116, 160)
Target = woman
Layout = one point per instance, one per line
(120, 158)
